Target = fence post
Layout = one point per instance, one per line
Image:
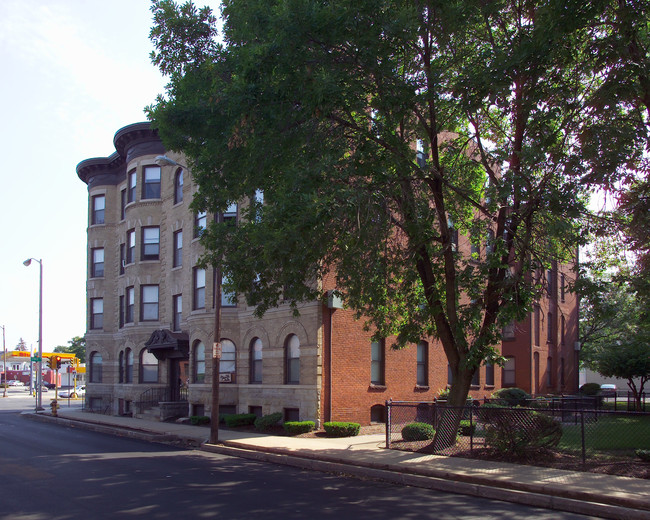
(388, 412)
(582, 429)
(471, 429)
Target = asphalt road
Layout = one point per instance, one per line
(58, 473)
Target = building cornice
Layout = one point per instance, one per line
(131, 142)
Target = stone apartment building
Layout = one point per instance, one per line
(151, 313)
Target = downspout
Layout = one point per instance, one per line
(329, 369)
(577, 344)
(531, 357)
(333, 303)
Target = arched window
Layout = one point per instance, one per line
(378, 414)
(129, 366)
(121, 367)
(256, 360)
(292, 360)
(228, 357)
(178, 186)
(148, 367)
(96, 367)
(199, 362)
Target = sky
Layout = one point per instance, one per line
(74, 73)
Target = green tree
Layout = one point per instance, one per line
(379, 131)
(614, 319)
(629, 359)
(621, 47)
(76, 346)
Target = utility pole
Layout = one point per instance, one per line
(39, 373)
(163, 160)
(216, 351)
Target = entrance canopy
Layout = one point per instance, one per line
(165, 344)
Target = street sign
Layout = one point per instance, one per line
(36, 359)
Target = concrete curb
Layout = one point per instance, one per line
(132, 433)
(534, 496)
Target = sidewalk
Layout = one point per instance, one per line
(593, 494)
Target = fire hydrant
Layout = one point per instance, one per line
(55, 406)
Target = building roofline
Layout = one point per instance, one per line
(129, 141)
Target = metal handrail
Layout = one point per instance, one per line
(152, 396)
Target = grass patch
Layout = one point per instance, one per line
(608, 433)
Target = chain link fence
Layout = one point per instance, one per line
(570, 426)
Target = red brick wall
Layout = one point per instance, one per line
(352, 393)
(353, 396)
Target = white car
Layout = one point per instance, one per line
(72, 392)
(15, 382)
(608, 390)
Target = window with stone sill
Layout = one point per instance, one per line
(148, 367)
(131, 187)
(422, 367)
(150, 243)
(256, 361)
(151, 184)
(292, 360)
(99, 210)
(97, 266)
(199, 362)
(178, 186)
(377, 363)
(97, 313)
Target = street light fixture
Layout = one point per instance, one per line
(163, 160)
(39, 370)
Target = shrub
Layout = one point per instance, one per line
(511, 397)
(418, 431)
(298, 427)
(237, 420)
(466, 427)
(516, 432)
(264, 423)
(341, 429)
(643, 455)
(590, 389)
(443, 394)
(198, 420)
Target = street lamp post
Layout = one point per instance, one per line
(4, 360)
(163, 160)
(39, 370)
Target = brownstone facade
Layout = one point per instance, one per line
(151, 315)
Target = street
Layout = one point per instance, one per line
(55, 472)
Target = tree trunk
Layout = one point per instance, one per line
(452, 412)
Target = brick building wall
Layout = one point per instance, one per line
(335, 351)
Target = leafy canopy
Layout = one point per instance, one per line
(378, 132)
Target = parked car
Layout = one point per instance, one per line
(608, 390)
(15, 382)
(49, 385)
(79, 391)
